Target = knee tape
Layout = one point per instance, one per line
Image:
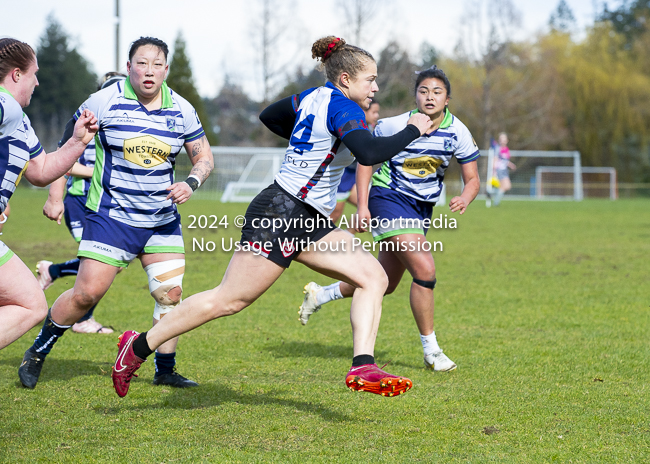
(426, 283)
(163, 277)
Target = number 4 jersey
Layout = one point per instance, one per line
(136, 152)
(316, 157)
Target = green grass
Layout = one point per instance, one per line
(543, 306)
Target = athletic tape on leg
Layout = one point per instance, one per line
(426, 283)
(163, 277)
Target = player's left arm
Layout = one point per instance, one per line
(469, 172)
(202, 161)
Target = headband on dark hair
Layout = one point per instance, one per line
(330, 47)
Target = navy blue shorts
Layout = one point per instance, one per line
(394, 213)
(116, 243)
(75, 214)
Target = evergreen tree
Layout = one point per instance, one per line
(65, 81)
(180, 80)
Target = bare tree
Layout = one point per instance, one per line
(272, 42)
(359, 14)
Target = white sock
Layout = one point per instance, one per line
(329, 293)
(429, 343)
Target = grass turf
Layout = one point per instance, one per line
(543, 306)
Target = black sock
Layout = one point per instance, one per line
(165, 363)
(363, 359)
(140, 347)
(64, 269)
(49, 334)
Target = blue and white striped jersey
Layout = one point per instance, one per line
(136, 152)
(419, 169)
(316, 158)
(79, 186)
(18, 145)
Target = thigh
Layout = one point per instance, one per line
(94, 277)
(341, 256)
(247, 277)
(18, 286)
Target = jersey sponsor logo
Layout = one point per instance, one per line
(146, 151)
(125, 118)
(295, 161)
(422, 166)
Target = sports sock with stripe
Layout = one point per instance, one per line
(48, 336)
(64, 269)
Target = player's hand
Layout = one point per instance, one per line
(458, 204)
(53, 210)
(362, 219)
(179, 192)
(86, 127)
(421, 121)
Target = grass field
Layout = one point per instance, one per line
(543, 306)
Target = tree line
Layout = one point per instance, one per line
(550, 92)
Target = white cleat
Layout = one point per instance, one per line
(309, 305)
(43, 274)
(439, 362)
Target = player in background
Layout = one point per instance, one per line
(323, 125)
(22, 302)
(347, 191)
(131, 208)
(75, 187)
(501, 166)
(404, 191)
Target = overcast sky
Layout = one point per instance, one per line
(221, 35)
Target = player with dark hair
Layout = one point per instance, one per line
(404, 191)
(323, 126)
(22, 302)
(131, 207)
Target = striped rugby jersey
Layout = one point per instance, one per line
(316, 158)
(419, 169)
(136, 152)
(79, 186)
(18, 145)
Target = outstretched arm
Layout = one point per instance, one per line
(369, 150)
(45, 168)
(203, 163)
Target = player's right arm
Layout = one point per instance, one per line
(53, 208)
(45, 168)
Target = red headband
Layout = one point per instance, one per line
(330, 47)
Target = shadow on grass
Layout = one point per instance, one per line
(313, 350)
(62, 369)
(209, 395)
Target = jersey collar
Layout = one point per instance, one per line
(446, 121)
(166, 94)
(3, 90)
